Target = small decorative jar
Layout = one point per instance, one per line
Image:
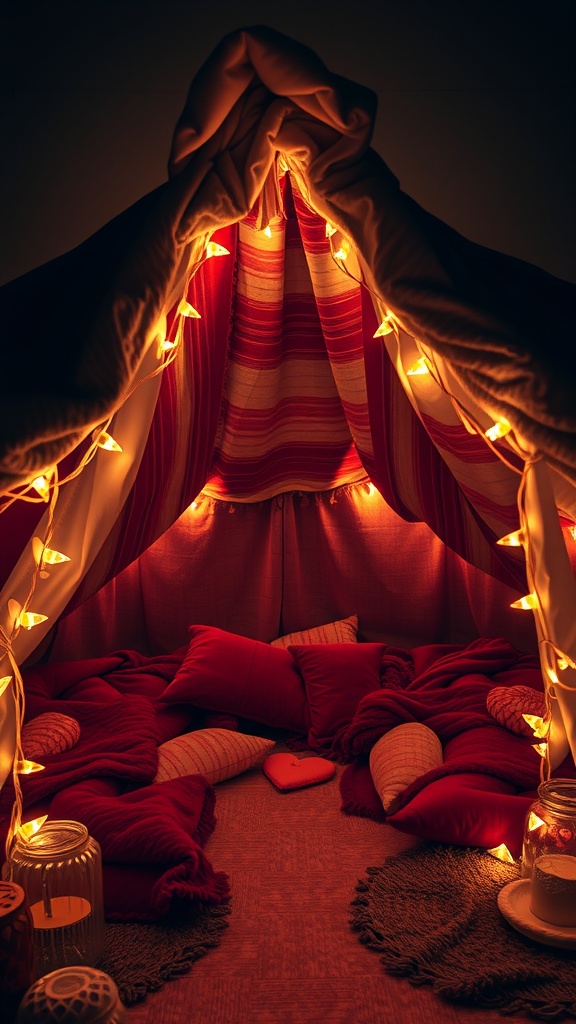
(16, 946)
(550, 826)
(60, 870)
(72, 995)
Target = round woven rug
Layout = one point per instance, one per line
(432, 914)
(141, 957)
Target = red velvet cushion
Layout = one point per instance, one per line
(466, 810)
(222, 671)
(336, 677)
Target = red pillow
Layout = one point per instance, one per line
(336, 677)
(222, 671)
(466, 810)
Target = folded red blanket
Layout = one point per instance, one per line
(151, 841)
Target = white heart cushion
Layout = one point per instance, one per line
(400, 757)
(217, 754)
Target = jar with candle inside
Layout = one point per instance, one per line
(550, 826)
(60, 870)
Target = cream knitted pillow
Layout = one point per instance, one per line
(343, 631)
(400, 757)
(217, 754)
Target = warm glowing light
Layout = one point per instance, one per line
(30, 619)
(27, 767)
(267, 231)
(420, 367)
(537, 724)
(528, 601)
(30, 828)
(572, 530)
(42, 485)
(193, 505)
(512, 540)
(540, 748)
(534, 822)
(46, 556)
(564, 663)
(167, 345)
(500, 429)
(4, 683)
(107, 442)
(214, 249)
(386, 327)
(330, 230)
(371, 489)
(552, 675)
(501, 853)
(343, 250)
(185, 309)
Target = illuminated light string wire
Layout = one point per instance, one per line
(47, 487)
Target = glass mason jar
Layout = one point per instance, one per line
(60, 870)
(550, 825)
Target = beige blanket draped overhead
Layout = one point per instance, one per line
(501, 325)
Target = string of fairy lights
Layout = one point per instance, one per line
(46, 486)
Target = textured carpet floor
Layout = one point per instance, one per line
(432, 914)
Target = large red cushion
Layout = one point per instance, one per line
(225, 672)
(466, 810)
(336, 677)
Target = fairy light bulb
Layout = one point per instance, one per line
(330, 230)
(215, 249)
(167, 345)
(420, 367)
(540, 748)
(343, 250)
(25, 767)
(502, 853)
(500, 429)
(528, 601)
(267, 231)
(537, 724)
(30, 828)
(534, 822)
(4, 683)
(42, 485)
(512, 540)
(186, 309)
(30, 619)
(107, 442)
(386, 327)
(47, 556)
(572, 531)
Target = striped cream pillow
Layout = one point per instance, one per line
(400, 757)
(217, 754)
(343, 631)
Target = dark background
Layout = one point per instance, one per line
(476, 117)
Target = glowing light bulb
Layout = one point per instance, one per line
(537, 724)
(30, 619)
(512, 540)
(540, 748)
(27, 767)
(421, 366)
(501, 853)
(572, 530)
(564, 663)
(167, 345)
(534, 822)
(500, 429)
(107, 442)
(528, 601)
(330, 230)
(371, 489)
(42, 485)
(47, 556)
(343, 250)
(267, 231)
(552, 675)
(4, 683)
(386, 327)
(215, 249)
(193, 505)
(30, 828)
(185, 309)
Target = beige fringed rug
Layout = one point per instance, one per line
(432, 914)
(140, 958)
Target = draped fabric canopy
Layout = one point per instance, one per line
(280, 384)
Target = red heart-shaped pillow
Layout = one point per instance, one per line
(287, 771)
